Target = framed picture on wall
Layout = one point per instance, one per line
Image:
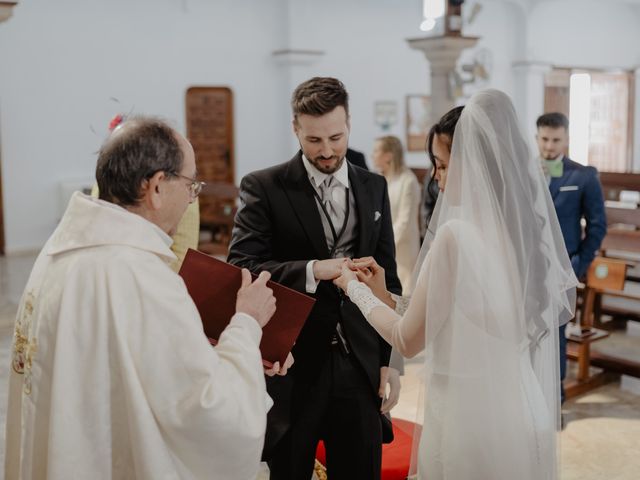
(418, 108)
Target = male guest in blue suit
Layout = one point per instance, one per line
(576, 194)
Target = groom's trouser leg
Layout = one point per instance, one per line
(294, 455)
(353, 435)
(340, 409)
(563, 358)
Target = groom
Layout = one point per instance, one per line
(300, 220)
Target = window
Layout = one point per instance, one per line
(610, 124)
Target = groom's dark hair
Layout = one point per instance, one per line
(319, 96)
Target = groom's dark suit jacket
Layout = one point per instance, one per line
(278, 228)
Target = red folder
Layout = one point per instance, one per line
(213, 286)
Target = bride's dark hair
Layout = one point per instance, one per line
(445, 126)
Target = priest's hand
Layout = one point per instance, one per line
(277, 370)
(328, 269)
(256, 299)
(392, 377)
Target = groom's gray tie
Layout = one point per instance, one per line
(329, 190)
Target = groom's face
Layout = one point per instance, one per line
(324, 139)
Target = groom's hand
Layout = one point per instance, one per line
(392, 377)
(346, 275)
(328, 269)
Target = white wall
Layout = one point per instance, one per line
(62, 62)
(501, 26)
(585, 33)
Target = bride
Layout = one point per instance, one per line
(493, 283)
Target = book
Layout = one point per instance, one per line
(213, 286)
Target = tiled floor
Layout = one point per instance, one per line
(602, 435)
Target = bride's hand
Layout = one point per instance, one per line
(372, 274)
(346, 276)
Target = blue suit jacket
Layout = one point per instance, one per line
(576, 195)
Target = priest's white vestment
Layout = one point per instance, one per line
(112, 374)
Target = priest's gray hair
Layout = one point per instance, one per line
(134, 152)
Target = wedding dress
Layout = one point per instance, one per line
(493, 284)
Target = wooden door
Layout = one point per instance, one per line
(209, 120)
(209, 113)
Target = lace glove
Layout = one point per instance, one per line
(402, 303)
(363, 297)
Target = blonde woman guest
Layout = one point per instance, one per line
(404, 195)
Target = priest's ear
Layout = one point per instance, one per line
(152, 190)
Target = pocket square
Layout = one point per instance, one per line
(376, 216)
(568, 188)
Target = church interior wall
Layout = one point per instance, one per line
(62, 64)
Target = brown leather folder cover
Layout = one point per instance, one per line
(213, 286)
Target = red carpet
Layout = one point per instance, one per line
(396, 455)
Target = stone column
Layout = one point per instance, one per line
(442, 53)
(529, 96)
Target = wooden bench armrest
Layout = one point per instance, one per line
(618, 294)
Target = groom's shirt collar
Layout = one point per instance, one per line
(317, 177)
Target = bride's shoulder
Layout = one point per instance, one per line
(455, 231)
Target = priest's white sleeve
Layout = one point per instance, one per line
(211, 403)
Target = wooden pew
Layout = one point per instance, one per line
(218, 206)
(623, 230)
(613, 183)
(605, 275)
(622, 241)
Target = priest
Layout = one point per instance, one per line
(112, 374)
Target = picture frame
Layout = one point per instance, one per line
(418, 116)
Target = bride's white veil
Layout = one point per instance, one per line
(498, 284)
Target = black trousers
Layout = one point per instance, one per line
(341, 410)
(563, 358)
